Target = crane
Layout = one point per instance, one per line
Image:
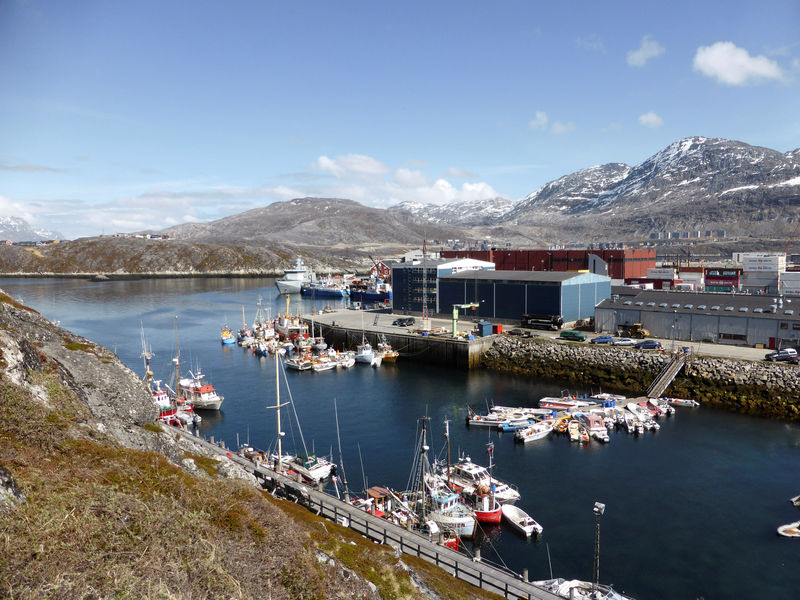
(470, 305)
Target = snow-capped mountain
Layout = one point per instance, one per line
(459, 214)
(695, 183)
(17, 229)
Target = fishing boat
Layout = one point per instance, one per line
(467, 476)
(388, 354)
(366, 355)
(298, 363)
(328, 288)
(323, 364)
(293, 279)
(290, 327)
(521, 521)
(575, 589)
(491, 419)
(227, 336)
(245, 335)
(370, 291)
(537, 431)
(432, 499)
(202, 395)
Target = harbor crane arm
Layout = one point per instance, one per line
(470, 305)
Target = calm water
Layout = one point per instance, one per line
(690, 511)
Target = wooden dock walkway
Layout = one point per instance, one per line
(460, 566)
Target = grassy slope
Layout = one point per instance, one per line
(102, 521)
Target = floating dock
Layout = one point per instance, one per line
(346, 328)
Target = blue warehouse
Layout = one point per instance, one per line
(510, 294)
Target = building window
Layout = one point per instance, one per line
(795, 326)
(784, 326)
(738, 337)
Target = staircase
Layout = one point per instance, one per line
(667, 375)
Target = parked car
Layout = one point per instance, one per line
(649, 345)
(403, 322)
(787, 355)
(572, 335)
(623, 342)
(602, 339)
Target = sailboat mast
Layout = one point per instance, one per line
(447, 437)
(176, 360)
(278, 411)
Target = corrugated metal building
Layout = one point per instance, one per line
(736, 319)
(510, 294)
(409, 286)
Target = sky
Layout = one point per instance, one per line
(126, 116)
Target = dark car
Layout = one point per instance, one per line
(403, 322)
(602, 339)
(785, 355)
(649, 345)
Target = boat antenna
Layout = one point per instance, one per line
(548, 560)
(341, 459)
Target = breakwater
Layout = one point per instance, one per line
(757, 388)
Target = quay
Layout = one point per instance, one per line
(470, 570)
(346, 328)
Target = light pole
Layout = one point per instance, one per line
(598, 510)
(674, 323)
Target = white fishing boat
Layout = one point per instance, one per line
(521, 521)
(575, 589)
(323, 364)
(345, 360)
(201, 394)
(537, 431)
(293, 279)
(298, 363)
(467, 477)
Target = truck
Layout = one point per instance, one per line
(634, 330)
(538, 321)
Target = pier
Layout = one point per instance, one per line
(346, 328)
(470, 570)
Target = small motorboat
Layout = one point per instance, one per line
(790, 529)
(682, 402)
(520, 520)
(537, 431)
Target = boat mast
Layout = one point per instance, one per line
(490, 452)
(447, 437)
(176, 362)
(423, 460)
(146, 355)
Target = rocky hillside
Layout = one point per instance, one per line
(96, 501)
(693, 184)
(144, 256)
(462, 214)
(317, 223)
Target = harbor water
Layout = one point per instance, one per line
(691, 511)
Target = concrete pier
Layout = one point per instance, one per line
(346, 328)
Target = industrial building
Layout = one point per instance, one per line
(621, 262)
(415, 281)
(510, 294)
(735, 319)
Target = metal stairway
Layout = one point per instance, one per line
(667, 375)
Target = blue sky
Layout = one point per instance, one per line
(121, 116)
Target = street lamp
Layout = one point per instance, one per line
(598, 510)
(674, 323)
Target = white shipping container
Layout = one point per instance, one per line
(661, 273)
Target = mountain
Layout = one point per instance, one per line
(694, 184)
(17, 229)
(461, 214)
(318, 222)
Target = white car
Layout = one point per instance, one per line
(623, 342)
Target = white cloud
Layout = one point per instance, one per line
(592, 43)
(651, 120)
(560, 128)
(539, 122)
(648, 48)
(731, 65)
(409, 178)
(456, 173)
(355, 166)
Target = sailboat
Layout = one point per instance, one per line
(306, 466)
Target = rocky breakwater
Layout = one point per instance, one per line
(98, 501)
(767, 389)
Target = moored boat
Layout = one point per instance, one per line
(293, 279)
(536, 431)
(467, 476)
(790, 529)
(682, 402)
(227, 336)
(521, 521)
(201, 394)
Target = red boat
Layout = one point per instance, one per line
(486, 507)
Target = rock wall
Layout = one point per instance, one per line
(768, 389)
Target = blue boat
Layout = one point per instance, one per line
(324, 290)
(371, 292)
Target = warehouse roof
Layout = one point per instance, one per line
(525, 276)
(731, 305)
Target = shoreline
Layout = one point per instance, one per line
(149, 275)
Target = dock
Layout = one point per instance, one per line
(344, 329)
(470, 570)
